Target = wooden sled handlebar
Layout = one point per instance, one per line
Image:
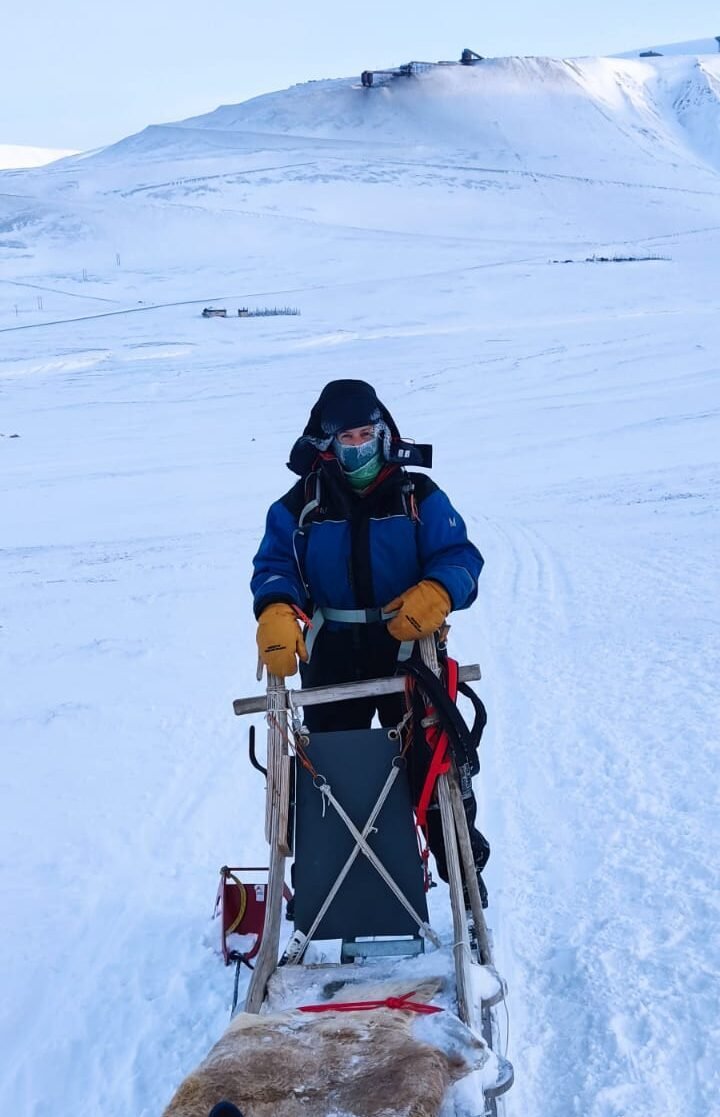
(340, 692)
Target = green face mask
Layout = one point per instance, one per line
(366, 474)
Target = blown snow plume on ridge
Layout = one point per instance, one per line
(20, 156)
(688, 47)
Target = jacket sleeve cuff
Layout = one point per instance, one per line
(457, 582)
(271, 599)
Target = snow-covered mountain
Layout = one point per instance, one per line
(522, 257)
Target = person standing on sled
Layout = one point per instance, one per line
(356, 538)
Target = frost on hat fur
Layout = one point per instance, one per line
(342, 405)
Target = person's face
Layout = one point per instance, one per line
(356, 435)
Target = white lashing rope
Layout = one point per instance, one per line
(379, 867)
(350, 861)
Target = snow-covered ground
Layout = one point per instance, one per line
(461, 240)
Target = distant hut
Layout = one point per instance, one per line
(214, 312)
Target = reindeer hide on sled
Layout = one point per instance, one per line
(364, 1064)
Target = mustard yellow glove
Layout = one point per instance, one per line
(421, 610)
(280, 640)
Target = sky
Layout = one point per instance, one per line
(82, 74)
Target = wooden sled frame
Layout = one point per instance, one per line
(278, 704)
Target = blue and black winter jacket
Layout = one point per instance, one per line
(355, 551)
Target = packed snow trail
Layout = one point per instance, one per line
(610, 725)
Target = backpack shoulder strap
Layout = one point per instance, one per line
(313, 491)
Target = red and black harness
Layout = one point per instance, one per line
(439, 733)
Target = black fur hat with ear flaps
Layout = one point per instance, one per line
(342, 405)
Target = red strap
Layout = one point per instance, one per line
(440, 763)
(451, 683)
(302, 616)
(403, 1003)
(438, 741)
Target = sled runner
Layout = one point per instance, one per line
(358, 873)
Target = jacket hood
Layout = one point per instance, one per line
(344, 404)
(341, 405)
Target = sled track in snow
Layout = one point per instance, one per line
(588, 820)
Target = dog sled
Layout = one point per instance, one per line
(366, 1008)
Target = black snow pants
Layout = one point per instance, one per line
(368, 651)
